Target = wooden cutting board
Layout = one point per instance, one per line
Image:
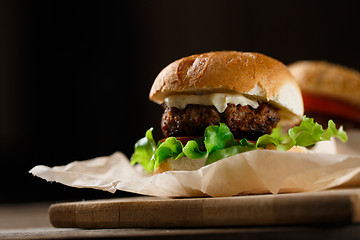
(333, 206)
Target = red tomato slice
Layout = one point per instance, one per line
(330, 106)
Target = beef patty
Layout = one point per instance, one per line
(243, 121)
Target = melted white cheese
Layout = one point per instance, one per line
(218, 100)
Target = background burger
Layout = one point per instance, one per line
(219, 104)
(330, 91)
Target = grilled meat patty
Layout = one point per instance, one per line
(243, 121)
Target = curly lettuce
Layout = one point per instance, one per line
(218, 143)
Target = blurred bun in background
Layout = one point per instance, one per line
(330, 91)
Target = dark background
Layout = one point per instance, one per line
(75, 75)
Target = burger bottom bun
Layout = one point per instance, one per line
(181, 164)
(299, 149)
(188, 164)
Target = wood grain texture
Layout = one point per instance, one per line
(329, 232)
(335, 206)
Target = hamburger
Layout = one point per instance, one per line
(330, 91)
(219, 104)
(249, 92)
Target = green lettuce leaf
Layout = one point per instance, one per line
(218, 137)
(331, 131)
(277, 138)
(308, 132)
(170, 148)
(218, 143)
(144, 150)
(192, 150)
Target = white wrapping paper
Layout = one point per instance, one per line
(254, 172)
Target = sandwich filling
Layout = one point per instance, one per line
(243, 121)
(218, 100)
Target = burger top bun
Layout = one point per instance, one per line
(328, 79)
(253, 75)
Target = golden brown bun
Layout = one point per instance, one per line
(298, 149)
(251, 74)
(293, 149)
(181, 164)
(187, 164)
(328, 79)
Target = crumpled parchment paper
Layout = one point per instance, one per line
(254, 172)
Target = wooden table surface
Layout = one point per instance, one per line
(30, 221)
